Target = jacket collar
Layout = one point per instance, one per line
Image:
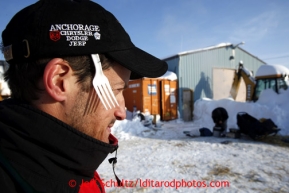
(45, 144)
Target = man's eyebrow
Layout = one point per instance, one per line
(123, 84)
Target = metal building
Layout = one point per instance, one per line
(198, 72)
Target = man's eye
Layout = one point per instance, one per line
(116, 91)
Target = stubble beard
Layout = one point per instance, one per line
(79, 118)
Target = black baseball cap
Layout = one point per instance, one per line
(57, 28)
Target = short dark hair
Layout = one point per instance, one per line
(23, 78)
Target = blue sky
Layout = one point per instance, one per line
(167, 27)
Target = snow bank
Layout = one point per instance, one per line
(270, 106)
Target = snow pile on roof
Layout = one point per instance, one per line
(201, 49)
(169, 76)
(266, 70)
(206, 48)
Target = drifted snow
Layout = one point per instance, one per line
(166, 154)
(270, 105)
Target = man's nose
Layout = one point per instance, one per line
(120, 111)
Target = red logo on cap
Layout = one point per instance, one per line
(55, 35)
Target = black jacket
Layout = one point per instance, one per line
(38, 152)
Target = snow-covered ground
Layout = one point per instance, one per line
(166, 160)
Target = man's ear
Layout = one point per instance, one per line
(55, 72)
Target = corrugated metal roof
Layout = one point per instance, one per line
(210, 48)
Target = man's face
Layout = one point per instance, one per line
(88, 114)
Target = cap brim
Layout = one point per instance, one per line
(141, 63)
